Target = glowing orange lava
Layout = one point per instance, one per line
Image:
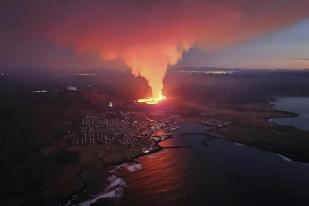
(152, 100)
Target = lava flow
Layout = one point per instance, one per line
(152, 100)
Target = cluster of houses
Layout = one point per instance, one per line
(131, 129)
(215, 123)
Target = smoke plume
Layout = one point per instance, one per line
(151, 35)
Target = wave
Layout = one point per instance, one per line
(284, 158)
(113, 191)
(290, 160)
(116, 185)
(117, 193)
(134, 167)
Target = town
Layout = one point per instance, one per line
(139, 130)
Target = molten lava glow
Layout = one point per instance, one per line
(152, 100)
(152, 64)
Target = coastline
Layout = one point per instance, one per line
(285, 114)
(75, 195)
(234, 133)
(253, 128)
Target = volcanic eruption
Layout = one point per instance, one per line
(149, 36)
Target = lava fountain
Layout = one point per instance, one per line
(152, 65)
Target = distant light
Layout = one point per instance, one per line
(110, 104)
(219, 72)
(39, 91)
(72, 88)
(84, 74)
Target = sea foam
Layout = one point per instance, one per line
(284, 158)
(116, 185)
(134, 167)
(114, 190)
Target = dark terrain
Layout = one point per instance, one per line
(31, 122)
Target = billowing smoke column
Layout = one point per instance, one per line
(150, 35)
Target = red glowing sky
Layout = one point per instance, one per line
(136, 32)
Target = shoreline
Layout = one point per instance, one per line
(255, 129)
(75, 195)
(286, 114)
(238, 143)
(241, 140)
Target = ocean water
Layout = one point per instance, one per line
(298, 105)
(214, 172)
